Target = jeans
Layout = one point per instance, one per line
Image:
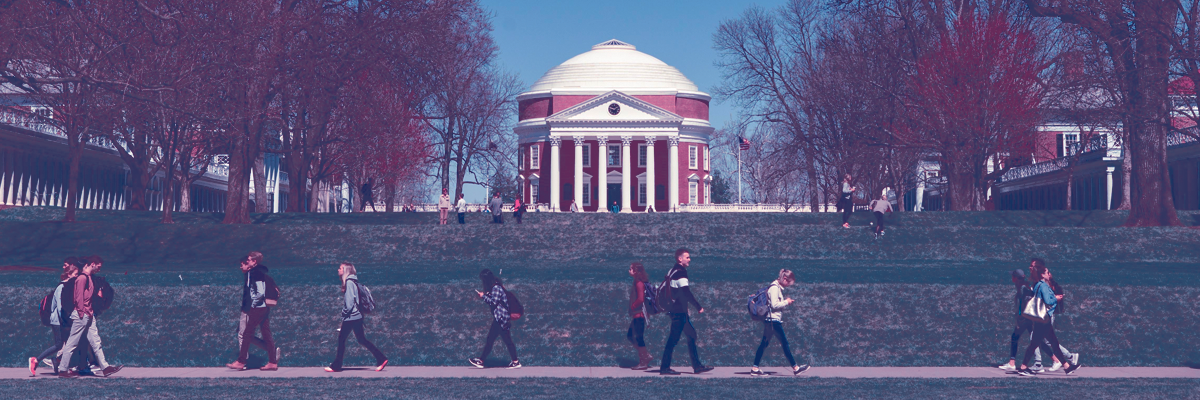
(461, 218)
(518, 215)
(1043, 332)
(497, 218)
(357, 327)
(847, 207)
(773, 328)
(637, 330)
(505, 335)
(58, 343)
(252, 319)
(1025, 325)
(81, 326)
(878, 221)
(681, 324)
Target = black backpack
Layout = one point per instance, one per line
(44, 308)
(102, 295)
(514, 305)
(366, 303)
(662, 296)
(650, 304)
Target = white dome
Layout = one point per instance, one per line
(614, 65)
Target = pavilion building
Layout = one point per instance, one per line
(614, 125)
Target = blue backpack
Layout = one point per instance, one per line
(759, 304)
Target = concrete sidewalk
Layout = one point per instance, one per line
(615, 372)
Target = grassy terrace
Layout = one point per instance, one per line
(934, 291)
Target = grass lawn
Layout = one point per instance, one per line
(548, 388)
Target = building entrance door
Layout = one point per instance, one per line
(614, 196)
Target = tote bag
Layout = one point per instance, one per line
(1036, 310)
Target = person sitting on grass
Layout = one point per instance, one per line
(352, 320)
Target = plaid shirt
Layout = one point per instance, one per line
(499, 302)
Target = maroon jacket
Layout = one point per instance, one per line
(83, 295)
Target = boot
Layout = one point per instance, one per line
(643, 359)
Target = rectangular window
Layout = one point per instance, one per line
(692, 157)
(641, 155)
(533, 193)
(707, 160)
(641, 194)
(708, 194)
(614, 155)
(533, 158)
(587, 155)
(693, 191)
(524, 165)
(1066, 144)
(587, 194)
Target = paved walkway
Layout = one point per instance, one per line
(615, 372)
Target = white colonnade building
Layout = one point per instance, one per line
(614, 125)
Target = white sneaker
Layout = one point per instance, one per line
(50, 362)
(1075, 359)
(1055, 367)
(1008, 367)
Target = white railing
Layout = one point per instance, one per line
(776, 208)
(38, 124)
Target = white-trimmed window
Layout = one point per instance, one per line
(693, 191)
(533, 192)
(614, 155)
(708, 192)
(642, 193)
(642, 155)
(587, 155)
(533, 158)
(707, 159)
(692, 162)
(587, 194)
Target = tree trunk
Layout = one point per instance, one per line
(1070, 182)
(1126, 176)
(168, 195)
(185, 194)
(261, 202)
(139, 180)
(237, 197)
(74, 154)
(1151, 186)
(389, 194)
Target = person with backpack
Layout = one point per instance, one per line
(356, 302)
(495, 296)
(681, 324)
(1043, 330)
(50, 311)
(773, 323)
(87, 291)
(518, 210)
(259, 293)
(637, 310)
(878, 207)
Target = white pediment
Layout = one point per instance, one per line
(614, 106)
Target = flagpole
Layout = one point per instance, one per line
(739, 170)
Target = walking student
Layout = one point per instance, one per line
(878, 207)
(70, 270)
(461, 207)
(845, 203)
(773, 325)
(637, 311)
(443, 206)
(352, 320)
(1043, 331)
(497, 207)
(259, 293)
(493, 294)
(83, 322)
(368, 195)
(681, 323)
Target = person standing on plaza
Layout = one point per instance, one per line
(83, 321)
(497, 207)
(846, 203)
(637, 311)
(494, 295)
(773, 325)
(443, 206)
(70, 270)
(368, 195)
(681, 323)
(1043, 331)
(518, 210)
(574, 207)
(461, 207)
(878, 207)
(259, 293)
(352, 320)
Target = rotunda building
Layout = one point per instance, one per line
(614, 127)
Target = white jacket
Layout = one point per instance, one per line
(462, 205)
(775, 296)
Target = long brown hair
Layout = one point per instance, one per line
(347, 270)
(639, 272)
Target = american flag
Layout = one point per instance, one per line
(743, 143)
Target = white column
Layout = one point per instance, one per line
(626, 174)
(673, 173)
(1108, 188)
(578, 187)
(920, 195)
(650, 172)
(602, 173)
(554, 172)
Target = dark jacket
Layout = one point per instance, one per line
(67, 300)
(1024, 293)
(681, 292)
(1058, 290)
(257, 288)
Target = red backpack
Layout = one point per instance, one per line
(44, 308)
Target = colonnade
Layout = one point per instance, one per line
(626, 200)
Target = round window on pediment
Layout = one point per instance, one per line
(614, 108)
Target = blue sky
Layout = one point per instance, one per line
(536, 35)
